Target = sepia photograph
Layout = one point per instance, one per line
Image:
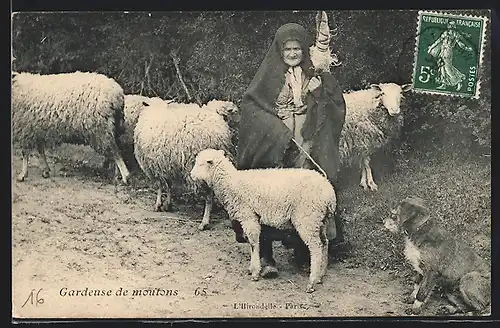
(251, 164)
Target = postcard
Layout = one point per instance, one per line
(251, 164)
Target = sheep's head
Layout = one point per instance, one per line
(155, 101)
(205, 163)
(390, 95)
(227, 109)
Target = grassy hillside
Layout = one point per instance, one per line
(457, 190)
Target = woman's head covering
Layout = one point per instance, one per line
(263, 138)
(270, 77)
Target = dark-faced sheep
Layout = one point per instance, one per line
(77, 108)
(284, 199)
(373, 120)
(167, 138)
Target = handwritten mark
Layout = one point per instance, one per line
(34, 299)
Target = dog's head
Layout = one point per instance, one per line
(409, 211)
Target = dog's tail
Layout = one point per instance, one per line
(476, 290)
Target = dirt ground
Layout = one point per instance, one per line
(76, 230)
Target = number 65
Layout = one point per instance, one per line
(425, 74)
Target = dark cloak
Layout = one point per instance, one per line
(263, 137)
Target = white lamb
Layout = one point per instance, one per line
(292, 198)
(79, 108)
(373, 119)
(168, 137)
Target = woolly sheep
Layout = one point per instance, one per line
(79, 108)
(134, 104)
(368, 127)
(168, 137)
(283, 198)
(133, 107)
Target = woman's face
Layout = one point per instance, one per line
(292, 53)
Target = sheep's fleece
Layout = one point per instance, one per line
(168, 137)
(281, 198)
(368, 126)
(134, 104)
(373, 121)
(78, 107)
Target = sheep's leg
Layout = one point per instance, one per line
(116, 173)
(315, 277)
(252, 230)
(45, 166)
(158, 203)
(324, 253)
(120, 163)
(122, 168)
(24, 171)
(208, 209)
(363, 175)
(162, 188)
(168, 197)
(369, 177)
(106, 168)
(316, 240)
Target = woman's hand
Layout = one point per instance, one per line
(283, 112)
(286, 112)
(314, 83)
(300, 110)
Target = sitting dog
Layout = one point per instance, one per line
(440, 259)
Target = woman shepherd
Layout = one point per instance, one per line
(288, 99)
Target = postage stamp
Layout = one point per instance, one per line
(448, 54)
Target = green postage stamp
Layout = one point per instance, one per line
(448, 54)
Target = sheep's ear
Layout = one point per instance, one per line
(222, 152)
(406, 87)
(376, 87)
(145, 104)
